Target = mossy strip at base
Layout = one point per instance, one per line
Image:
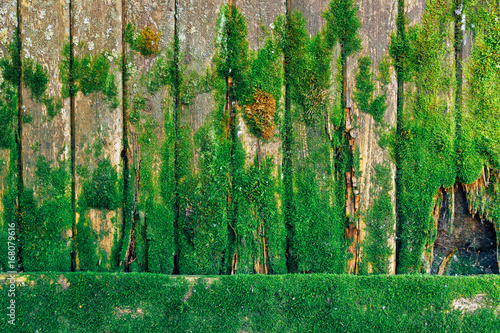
(280, 303)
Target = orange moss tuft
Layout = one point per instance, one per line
(149, 42)
(260, 115)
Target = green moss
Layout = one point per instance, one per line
(100, 191)
(365, 87)
(53, 106)
(10, 77)
(316, 80)
(399, 47)
(46, 219)
(27, 119)
(156, 199)
(86, 244)
(11, 65)
(265, 80)
(266, 69)
(139, 104)
(299, 303)
(231, 59)
(480, 135)
(9, 218)
(342, 25)
(205, 227)
(146, 42)
(380, 221)
(319, 240)
(8, 114)
(425, 144)
(51, 182)
(364, 84)
(36, 78)
(90, 74)
(295, 42)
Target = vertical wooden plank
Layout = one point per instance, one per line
(262, 250)
(197, 27)
(378, 19)
(8, 24)
(97, 34)
(312, 10)
(148, 106)
(260, 15)
(46, 140)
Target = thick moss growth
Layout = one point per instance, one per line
(342, 26)
(86, 244)
(295, 303)
(9, 219)
(10, 77)
(36, 79)
(89, 74)
(425, 144)
(380, 222)
(205, 227)
(46, 220)
(11, 65)
(8, 114)
(319, 234)
(147, 42)
(231, 58)
(266, 81)
(480, 127)
(100, 191)
(260, 115)
(314, 212)
(365, 88)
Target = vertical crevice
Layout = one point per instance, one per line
(176, 91)
(458, 48)
(72, 138)
(287, 152)
(19, 133)
(399, 63)
(144, 234)
(352, 230)
(231, 135)
(127, 215)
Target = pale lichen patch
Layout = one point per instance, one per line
(63, 282)
(126, 311)
(469, 305)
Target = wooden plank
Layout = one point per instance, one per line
(97, 28)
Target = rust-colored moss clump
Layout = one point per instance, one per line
(146, 43)
(260, 115)
(149, 42)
